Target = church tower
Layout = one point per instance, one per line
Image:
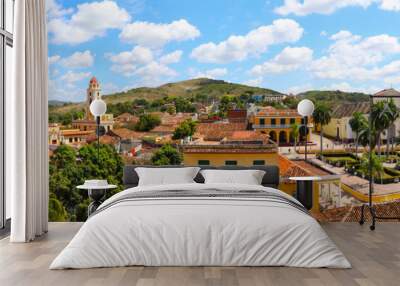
(93, 92)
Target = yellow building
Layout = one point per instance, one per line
(339, 126)
(277, 124)
(89, 123)
(241, 148)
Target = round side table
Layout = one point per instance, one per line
(96, 194)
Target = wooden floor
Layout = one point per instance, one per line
(375, 257)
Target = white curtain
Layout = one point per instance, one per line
(26, 131)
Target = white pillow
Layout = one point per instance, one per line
(248, 177)
(166, 176)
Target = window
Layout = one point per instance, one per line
(203, 162)
(283, 121)
(273, 121)
(230, 163)
(6, 44)
(262, 121)
(292, 120)
(259, 162)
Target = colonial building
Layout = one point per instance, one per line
(75, 137)
(277, 124)
(393, 130)
(242, 148)
(339, 126)
(89, 123)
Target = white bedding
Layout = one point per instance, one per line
(200, 231)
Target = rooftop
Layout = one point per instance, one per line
(347, 109)
(273, 112)
(387, 92)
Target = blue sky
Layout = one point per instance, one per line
(286, 45)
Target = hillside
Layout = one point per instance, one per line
(188, 88)
(333, 97)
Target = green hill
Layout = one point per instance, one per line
(211, 88)
(333, 97)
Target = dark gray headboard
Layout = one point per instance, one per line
(271, 178)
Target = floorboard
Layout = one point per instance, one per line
(375, 257)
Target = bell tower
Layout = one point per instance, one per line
(92, 93)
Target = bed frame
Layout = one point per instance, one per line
(270, 179)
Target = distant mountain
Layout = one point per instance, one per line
(57, 103)
(210, 87)
(333, 97)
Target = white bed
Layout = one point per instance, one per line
(202, 231)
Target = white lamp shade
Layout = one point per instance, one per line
(305, 107)
(98, 107)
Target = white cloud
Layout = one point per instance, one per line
(154, 73)
(302, 8)
(171, 58)
(55, 10)
(157, 35)
(357, 58)
(254, 81)
(306, 7)
(90, 20)
(237, 48)
(212, 73)
(53, 59)
(390, 5)
(127, 62)
(347, 87)
(72, 77)
(78, 60)
(289, 59)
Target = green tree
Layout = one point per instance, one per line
(147, 122)
(186, 129)
(322, 116)
(381, 120)
(357, 123)
(295, 133)
(57, 211)
(69, 169)
(376, 165)
(393, 115)
(167, 155)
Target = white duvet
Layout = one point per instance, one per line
(202, 232)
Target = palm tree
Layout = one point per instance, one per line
(393, 115)
(295, 132)
(322, 116)
(381, 119)
(357, 123)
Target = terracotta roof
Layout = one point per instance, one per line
(347, 109)
(387, 92)
(288, 168)
(218, 131)
(127, 117)
(164, 128)
(272, 112)
(75, 132)
(313, 170)
(125, 133)
(93, 80)
(246, 135)
(229, 149)
(107, 139)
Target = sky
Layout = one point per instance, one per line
(287, 45)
